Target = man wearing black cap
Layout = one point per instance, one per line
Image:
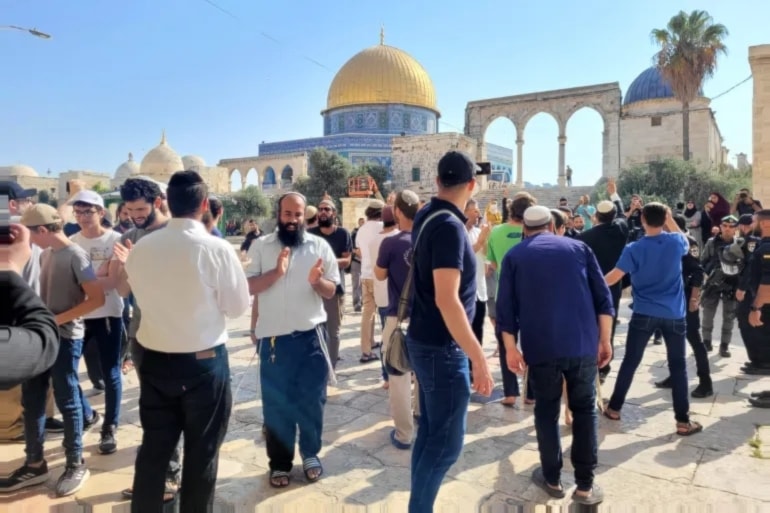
(723, 261)
(746, 225)
(563, 337)
(440, 338)
(754, 310)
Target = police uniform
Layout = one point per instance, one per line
(756, 340)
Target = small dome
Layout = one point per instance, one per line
(18, 170)
(193, 161)
(382, 74)
(649, 85)
(127, 169)
(161, 162)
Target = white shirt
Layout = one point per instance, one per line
(187, 282)
(291, 304)
(380, 287)
(481, 260)
(100, 250)
(366, 234)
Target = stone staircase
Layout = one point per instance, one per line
(547, 196)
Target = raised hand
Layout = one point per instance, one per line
(612, 187)
(282, 264)
(316, 272)
(120, 252)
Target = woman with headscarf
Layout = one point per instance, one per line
(693, 218)
(705, 222)
(721, 208)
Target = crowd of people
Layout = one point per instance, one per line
(156, 289)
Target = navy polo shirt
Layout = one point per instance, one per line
(444, 244)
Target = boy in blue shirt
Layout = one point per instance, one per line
(654, 263)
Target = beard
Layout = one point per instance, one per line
(291, 238)
(327, 222)
(127, 223)
(149, 220)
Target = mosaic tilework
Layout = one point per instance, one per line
(380, 119)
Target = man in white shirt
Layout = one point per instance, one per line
(104, 326)
(290, 274)
(188, 283)
(366, 234)
(389, 228)
(479, 235)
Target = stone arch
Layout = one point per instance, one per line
(236, 179)
(287, 177)
(268, 178)
(587, 138)
(560, 104)
(500, 128)
(251, 177)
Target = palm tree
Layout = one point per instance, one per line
(689, 47)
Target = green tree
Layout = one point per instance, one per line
(329, 174)
(670, 181)
(44, 196)
(246, 204)
(689, 47)
(100, 188)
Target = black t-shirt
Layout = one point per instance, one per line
(340, 242)
(743, 208)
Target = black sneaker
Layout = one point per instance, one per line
(98, 385)
(107, 442)
(709, 346)
(666, 383)
(724, 352)
(702, 391)
(72, 480)
(53, 425)
(24, 477)
(89, 423)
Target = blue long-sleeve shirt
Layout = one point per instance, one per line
(551, 291)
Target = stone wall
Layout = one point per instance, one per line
(271, 166)
(89, 178)
(759, 58)
(415, 159)
(48, 184)
(642, 141)
(352, 210)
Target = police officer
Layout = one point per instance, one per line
(723, 259)
(754, 308)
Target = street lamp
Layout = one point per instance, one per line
(34, 32)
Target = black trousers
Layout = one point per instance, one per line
(478, 327)
(756, 340)
(181, 393)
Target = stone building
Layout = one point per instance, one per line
(651, 125)
(759, 59)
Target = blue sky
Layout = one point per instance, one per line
(116, 73)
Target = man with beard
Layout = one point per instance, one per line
(340, 242)
(292, 267)
(124, 223)
(143, 203)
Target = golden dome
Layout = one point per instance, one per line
(379, 75)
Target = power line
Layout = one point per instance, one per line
(733, 87)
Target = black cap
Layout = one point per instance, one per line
(746, 219)
(456, 168)
(16, 191)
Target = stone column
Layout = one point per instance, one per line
(611, 146)
(243, 180)
(759, 59)
(562, 179)
(519, 162)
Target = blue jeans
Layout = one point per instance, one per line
(546, 380)
(107, 334)
(69, 398)
(293, 372)
(640, 329)
(442, 372)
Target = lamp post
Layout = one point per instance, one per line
(34, 32)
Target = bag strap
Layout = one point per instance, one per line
(403, 301)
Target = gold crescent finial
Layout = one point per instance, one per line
(163, 137)
(130, 156)
(382, 34)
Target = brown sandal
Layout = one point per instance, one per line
(689, 428)
(611, 414)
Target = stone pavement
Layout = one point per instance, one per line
(642, 463)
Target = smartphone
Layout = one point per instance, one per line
(5, 219)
